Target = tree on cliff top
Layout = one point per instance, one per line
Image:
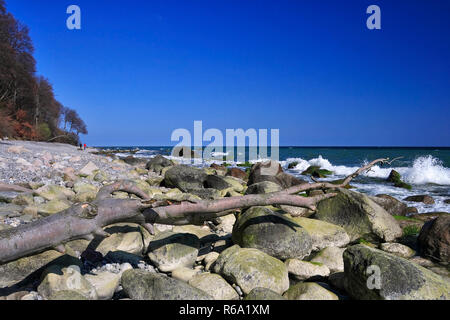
(28, 108)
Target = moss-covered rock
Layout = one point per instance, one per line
(309, 291)
(16, 271)
(263, 294)
(142, 285)
(323, 234)
(273, 233)
(359, 216)
(54, 192)
(396, 178)
(53, 206)
(169, 250)
(317, 172)
(400, 279)
(251, 268)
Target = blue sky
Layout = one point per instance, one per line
(140, 69)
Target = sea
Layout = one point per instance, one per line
(427, 169)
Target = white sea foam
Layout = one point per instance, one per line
(423, 170)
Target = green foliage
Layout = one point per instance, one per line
(411, 230)
(246, 164)
(44, 131)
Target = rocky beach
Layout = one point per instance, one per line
(350, 246)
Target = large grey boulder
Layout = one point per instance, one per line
(372, 274)
(142, 285)
(158, 163)
(390, 204)
(185, 178)
(251, 268)
(169, 250)
(359, 216)
(273, 172)
(273, 233)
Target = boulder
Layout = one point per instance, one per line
(309, 291)
(216, 182)
(331, 257)
(157, 163)
(251, 268)
(30, 267)
(273, 233)
(263, 294)
(399, 279)
(359, 216)
(317, 172)
(125, 237)
(88, 169)
(53, 206)
(304, 270)
(169, 250)
(105, 283)
(263, 187)
(420, 198)
(390, 204)
(206, 193)
(297, 211)
(237, 173)
(57, 278)
(142, 285)
(185, 178)
(323, 234)
(273, 172)
(215, 286)
(434, 239)
(395, 178)
(54, 192)
(184, 274)
(398, 249)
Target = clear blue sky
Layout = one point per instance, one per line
(140, 69)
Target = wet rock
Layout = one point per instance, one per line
(420, 198)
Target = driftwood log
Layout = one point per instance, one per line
(85, 220)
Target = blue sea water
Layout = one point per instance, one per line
(426, 169)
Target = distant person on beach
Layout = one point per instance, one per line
(81, 146)
(85, 146)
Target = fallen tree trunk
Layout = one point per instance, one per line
(88, 219)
